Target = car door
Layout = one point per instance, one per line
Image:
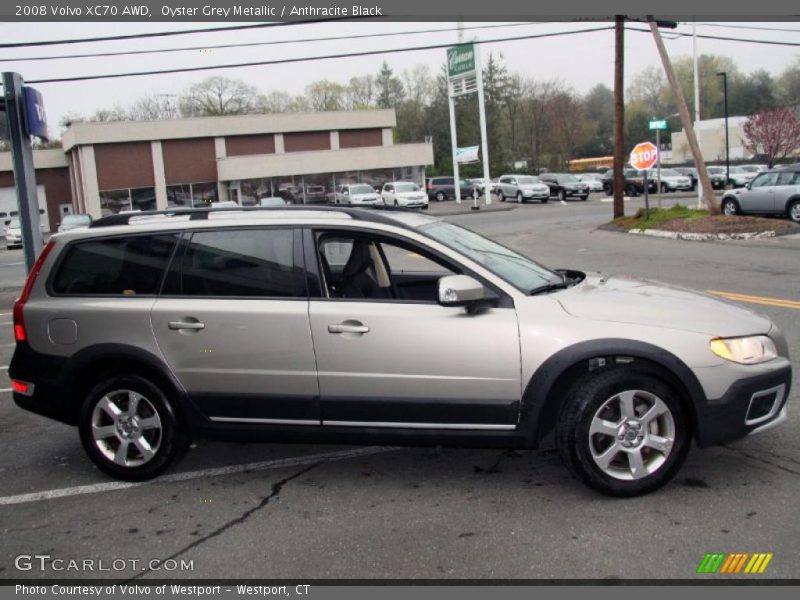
(760, 197)
(391, 356)
(388, 194)
(232, 323)
(785, 187)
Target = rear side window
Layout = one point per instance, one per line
(242, 263)
(120, 266)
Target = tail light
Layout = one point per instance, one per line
(20, 334)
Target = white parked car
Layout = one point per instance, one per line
(593, 180)
(404, 193)
(272, 201)
(740, 177)
(13, 233)
(672, 181)
(357, 194)
(75, 221)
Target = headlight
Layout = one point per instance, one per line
(745, 350)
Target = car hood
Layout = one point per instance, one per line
(641, 302)
(412, 195)
(372, 196)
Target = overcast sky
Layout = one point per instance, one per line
(580, 60)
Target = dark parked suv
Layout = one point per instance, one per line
(363, 326)
(443, 188)
(634, 183)
(565, 185)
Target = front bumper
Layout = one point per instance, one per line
(748, 406)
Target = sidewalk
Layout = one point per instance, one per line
(451, 207)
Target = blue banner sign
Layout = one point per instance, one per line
(35, 117)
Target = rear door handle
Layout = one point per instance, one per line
(186, 325)
(347, 328)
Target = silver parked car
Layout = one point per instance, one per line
(521, 188)
(404, 193)
(75, 221)
(673, 181)
(771, 192)
(357, 326)
(357, 193)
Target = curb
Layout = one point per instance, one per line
(450, 213)
(702, 237)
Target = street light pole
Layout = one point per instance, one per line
(724, 76)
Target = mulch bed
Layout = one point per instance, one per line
(739, 224)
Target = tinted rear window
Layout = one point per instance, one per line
(242, 263)
(126, 266)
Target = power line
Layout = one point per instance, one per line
(753, 27)
(252, 44)
(132, 36)
(308, 58)
(723, 38)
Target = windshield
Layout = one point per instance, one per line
(406, 187)
(567, 179)
(737, 170)
(669, 173)
(361, 189)
(519, 271)
(14, 223)
(527, 180)
(750, 169)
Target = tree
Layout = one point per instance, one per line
(325, 95)
(360, 92)
(749, 93)
(598, 105)
(154, 107)
(788, 84)
(217, 96)
(277, 101)
(773, 133)
(389, 88)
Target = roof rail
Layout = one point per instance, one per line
(201, 214)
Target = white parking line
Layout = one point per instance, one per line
(111, 486)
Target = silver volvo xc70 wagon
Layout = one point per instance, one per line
(354, 325)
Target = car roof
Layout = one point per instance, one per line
(298, 215)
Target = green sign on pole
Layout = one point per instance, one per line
(658, 124)
(460, 60)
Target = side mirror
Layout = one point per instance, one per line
(749, 185)
(462, 290)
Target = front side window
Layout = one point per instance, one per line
(242, 263)
(121, 266)
(764, 180)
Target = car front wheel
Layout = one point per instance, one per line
(794, 211)
(623, 432)
(130, 429)
(440, 196)
(730, 207)
(520, 198)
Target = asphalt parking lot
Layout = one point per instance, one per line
(270, 510)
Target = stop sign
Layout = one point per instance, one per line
(644, 156)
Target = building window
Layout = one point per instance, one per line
(191, 195)
(114, 201)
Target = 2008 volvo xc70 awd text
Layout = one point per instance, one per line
(377, 326)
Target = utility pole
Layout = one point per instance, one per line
(696, 95)
(619, 116)
(724, 76)
(686, 120)
(24, 170)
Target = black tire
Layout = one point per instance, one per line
(501, 195)
(172, 438)
(793, 211)
(608, 190)
(441, 196)
(576, 444)
(729, 207)
(562, 195)
(631, 191)
(664, 188)
(520, 198)
(585, 197)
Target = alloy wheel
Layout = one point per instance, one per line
(631, 435)
(126, 428)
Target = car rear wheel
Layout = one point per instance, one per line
(501, 195)
(440, 196)
(623, 432)
(730, 207)
(520, 198)
(794, 211)
(664, 188)
(630, 190)
(129, 428)
(562, 195)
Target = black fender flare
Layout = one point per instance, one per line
(538, 416)
(96, 353)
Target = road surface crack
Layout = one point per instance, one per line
(762, 460)
(274, 493)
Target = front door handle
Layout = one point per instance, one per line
(186, 325)
(348, 328)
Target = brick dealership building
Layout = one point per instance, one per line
(103, 168)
